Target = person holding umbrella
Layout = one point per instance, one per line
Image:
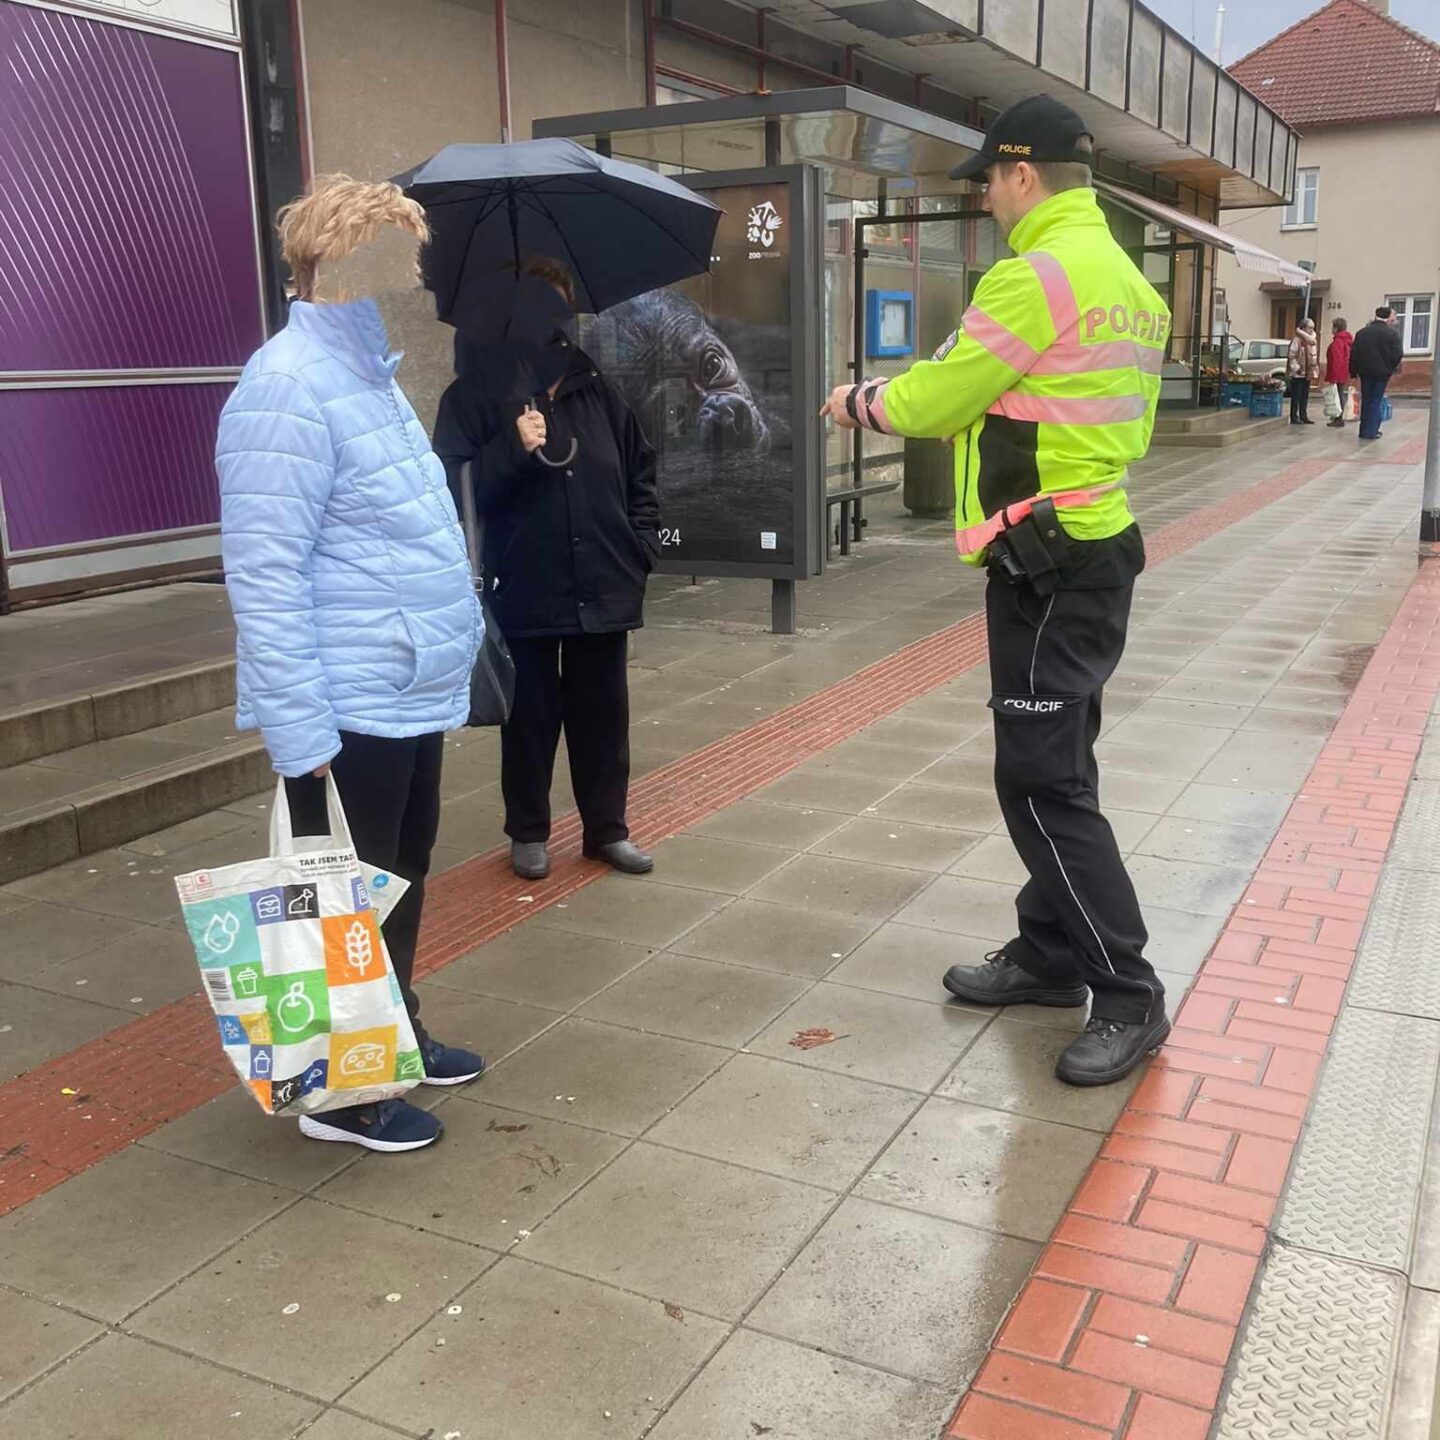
(565, 480)
(524, 236)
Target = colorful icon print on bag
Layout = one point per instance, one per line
(409, 1065)
(223, 932)
(298, 1005)
(353, 953)
(362, 1057)
(232, 1032)
(282, 1092)
(262, 1062)
(359, 893)
(301, 902)
(314, 1078)
(248, 981)
(257, 1027)
(268, 905)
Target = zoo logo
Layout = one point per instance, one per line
(761, 227)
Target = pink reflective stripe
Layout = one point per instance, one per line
(1070, 357)
(1070, 409)
(1004, 344)
(1064, 312)
(977, 537)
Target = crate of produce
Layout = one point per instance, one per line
(1236, 392)
(1265, 403)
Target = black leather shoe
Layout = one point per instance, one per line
(621, 855)
(1000, 981)
(530, 860)
(1109, 1050)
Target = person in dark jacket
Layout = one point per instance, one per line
(1337, 367)
(1374, 358)
(565, 483)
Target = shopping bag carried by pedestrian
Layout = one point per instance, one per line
(1332, 402)
(492, 682)
(293, 961)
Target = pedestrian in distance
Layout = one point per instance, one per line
(1337, 367)
(1374, 358)
(346, 569)
(565, 484)
(1049, 387)
(1302, 365)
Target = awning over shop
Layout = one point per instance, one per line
(1248, 256)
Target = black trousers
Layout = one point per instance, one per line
(1299, 397)
(1372, 404)
(1079, 919)
(391, 793)
(576, 683)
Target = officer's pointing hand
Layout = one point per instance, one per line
(835, 407)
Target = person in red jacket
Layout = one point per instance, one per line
(1337, 367)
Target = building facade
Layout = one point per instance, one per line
(137, 260)
(1364, 93)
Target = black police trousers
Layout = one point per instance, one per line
(1080, 922)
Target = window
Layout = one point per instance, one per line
(1301, 214)
(1414, 319)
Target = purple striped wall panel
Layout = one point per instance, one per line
(126, 231)
(96, 464)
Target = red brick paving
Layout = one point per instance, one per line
(1192, 1172)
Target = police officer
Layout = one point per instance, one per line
(1049, 389)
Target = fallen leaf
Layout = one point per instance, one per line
(674, 1312)
(506, 1129)
(809, 1039)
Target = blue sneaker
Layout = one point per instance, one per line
(390, 1125)
(445, 1065)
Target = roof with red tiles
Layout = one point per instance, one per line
(1344, 64)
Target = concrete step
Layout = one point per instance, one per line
(1171, 422)
(1219, 434)
(86, 798)
(46, 726)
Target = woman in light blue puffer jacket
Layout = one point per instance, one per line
(348, 575)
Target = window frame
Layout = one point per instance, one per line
(1297, 206)
(1404, 307)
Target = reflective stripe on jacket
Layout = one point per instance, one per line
(1053, 377)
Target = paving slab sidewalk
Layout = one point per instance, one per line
(659, 1215)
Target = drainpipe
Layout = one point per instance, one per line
(649, 31)
(502, 70)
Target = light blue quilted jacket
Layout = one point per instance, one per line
(344, 560)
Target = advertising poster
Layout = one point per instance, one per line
(709, 367)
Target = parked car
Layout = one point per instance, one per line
(1258, 357)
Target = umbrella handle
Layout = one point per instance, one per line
(570, 454)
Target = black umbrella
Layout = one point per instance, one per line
(619, 228)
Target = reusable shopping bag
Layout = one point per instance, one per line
(295, 968)
(1332, 402)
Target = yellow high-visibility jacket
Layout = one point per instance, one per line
(1050, 383)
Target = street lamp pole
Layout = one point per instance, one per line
(1430, 504)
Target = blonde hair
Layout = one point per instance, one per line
(336, 215)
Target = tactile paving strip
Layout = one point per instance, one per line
(1395, 969)
(1417, 837)
(1356, 1182)
(1317, 1351)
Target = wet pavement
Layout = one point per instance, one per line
(660, 1215)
